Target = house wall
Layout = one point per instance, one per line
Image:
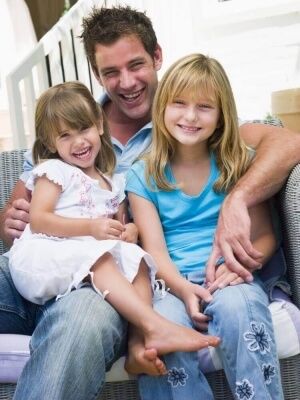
(258, 43)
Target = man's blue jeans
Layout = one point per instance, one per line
(240, 317)
(74, 341)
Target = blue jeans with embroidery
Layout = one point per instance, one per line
(240, 317)
(74, 341)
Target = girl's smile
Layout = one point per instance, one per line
(83, 154)
(189, 129)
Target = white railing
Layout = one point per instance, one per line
(58, 57)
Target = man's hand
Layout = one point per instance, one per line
(232, 241)
(16, 218)
(15, 215)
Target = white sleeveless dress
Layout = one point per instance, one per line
(43, 267)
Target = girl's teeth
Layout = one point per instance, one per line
(189, 128)
(82, 153)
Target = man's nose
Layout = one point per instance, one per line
(127, 79)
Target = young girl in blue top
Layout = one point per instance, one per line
(175, 194)
(79, 231)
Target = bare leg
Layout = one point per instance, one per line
(159, 333)
(140, 360)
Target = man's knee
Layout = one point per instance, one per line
(16, 314)
(85, 312)
(237, 301)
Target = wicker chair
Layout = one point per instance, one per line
(289, 199)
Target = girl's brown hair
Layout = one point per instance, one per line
(73, 104)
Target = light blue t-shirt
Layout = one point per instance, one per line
(188, 222)
(126, 154)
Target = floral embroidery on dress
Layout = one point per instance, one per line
(86, 199)
(269, 372)
(85, 194)
(259, 338)
(177, 377)
(112, 205)
(244, 390)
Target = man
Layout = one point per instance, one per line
(77, 338)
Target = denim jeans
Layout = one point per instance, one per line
(74, 341)
(240, 317)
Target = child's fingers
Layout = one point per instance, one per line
(114, 232)
(201, 321)
(124, 236)
(113, 223)
(237, 281)
(225, 279)
(203, 293)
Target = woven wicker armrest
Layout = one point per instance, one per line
(289, 204)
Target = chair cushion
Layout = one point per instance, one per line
(14, 349)
(14, 353)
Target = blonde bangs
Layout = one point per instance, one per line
(192, 79)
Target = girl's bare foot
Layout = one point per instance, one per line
(168, 337)
(144, 361)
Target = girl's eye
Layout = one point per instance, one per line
(84, 129)
(205, 106)
(178, 101)
(63, 135)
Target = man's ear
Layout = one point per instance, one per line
(158, 58)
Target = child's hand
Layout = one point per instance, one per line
(130, 234)
(106, 228)
(224, 277)
(192, 296)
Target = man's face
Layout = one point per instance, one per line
(129, 76)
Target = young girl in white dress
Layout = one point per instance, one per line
(79, 231)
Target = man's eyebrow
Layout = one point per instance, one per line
(113, 68)
(136, 59)
(107, 69)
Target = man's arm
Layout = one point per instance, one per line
(277, 152)
(15, 215)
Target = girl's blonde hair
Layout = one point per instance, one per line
(196, 75)
(73, 104)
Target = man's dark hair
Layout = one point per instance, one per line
(107, 25)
